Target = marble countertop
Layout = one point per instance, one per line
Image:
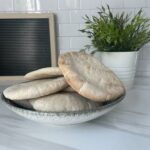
(127, 127)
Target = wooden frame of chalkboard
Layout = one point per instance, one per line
(50, 17)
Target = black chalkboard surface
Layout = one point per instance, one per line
(24, 45)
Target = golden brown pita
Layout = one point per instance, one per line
(89, 77)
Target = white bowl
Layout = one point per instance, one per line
(61, 118)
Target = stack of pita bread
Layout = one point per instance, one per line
(81, 82)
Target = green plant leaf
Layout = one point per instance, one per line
(120, 32)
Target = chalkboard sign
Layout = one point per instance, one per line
(27, 43)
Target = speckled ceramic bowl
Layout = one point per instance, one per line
(61, 118)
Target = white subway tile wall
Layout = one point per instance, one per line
(63, 43)
(63, 17)
(6, 5)
(114, 3)
(24, 5)
(79, 42)
(68, 30)
(68, 4)
(90, 4)
(147, 3)
(134, 3)
(69, 19)
(46, 5)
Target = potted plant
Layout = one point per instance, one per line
(117, 39)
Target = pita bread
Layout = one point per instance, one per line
(43, 73)
(61, 102)
(35, 89)
(89, 77)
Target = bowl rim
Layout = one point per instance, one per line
(10, 104)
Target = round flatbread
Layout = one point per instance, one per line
(62, 102)
(35, 89)
(89, 77)
(43, 73)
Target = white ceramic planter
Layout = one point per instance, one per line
(122, 63)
